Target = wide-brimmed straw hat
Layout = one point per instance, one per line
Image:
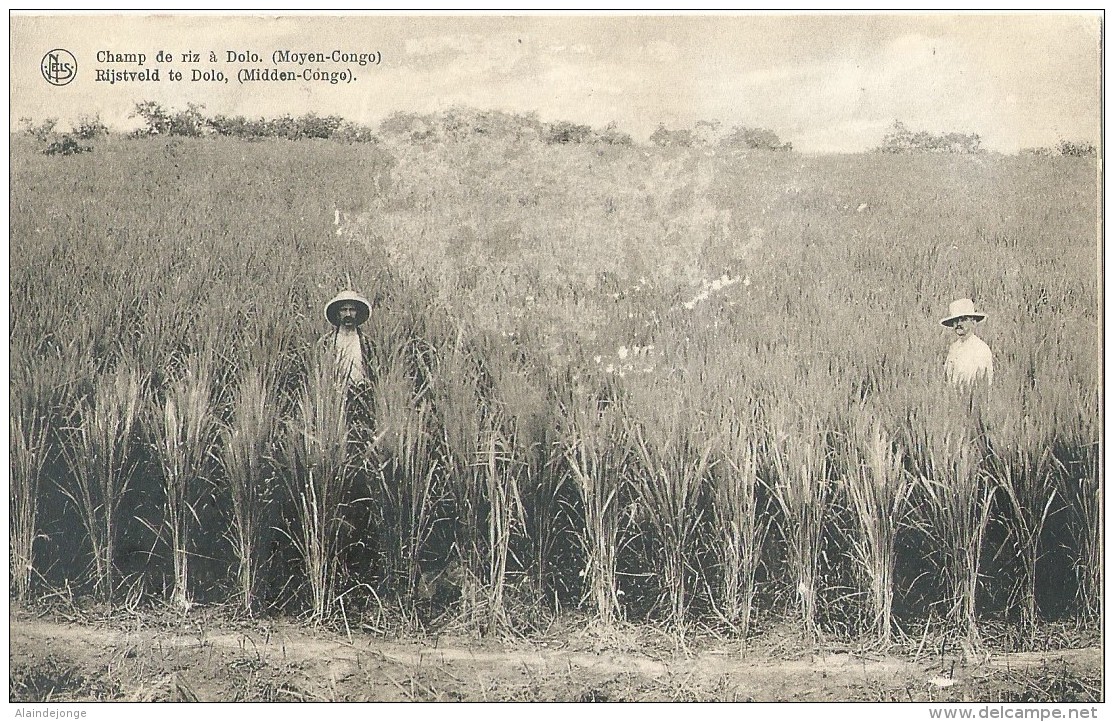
(959, 309)
(332, 309)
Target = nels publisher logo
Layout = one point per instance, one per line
(59, 66)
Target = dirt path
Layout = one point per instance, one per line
(62, 661)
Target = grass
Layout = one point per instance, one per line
(28, 433)
(407, 486)
(593, 370)
(880, 492)
(597, 452)
(314, 448)
(100, 456)
(247, 456)
(956, 502)
(673, 458)
(803, 492)
(741, 517)
(183, 431)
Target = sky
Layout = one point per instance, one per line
(830, 82)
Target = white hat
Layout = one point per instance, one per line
(959, 309)
(332, 308)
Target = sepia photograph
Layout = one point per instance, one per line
(556, 357)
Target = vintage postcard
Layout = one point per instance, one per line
(394, 357)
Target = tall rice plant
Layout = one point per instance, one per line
(879, 490)
(799, 455)
(1022, 464)
(1081, 487)
(28, 431)
(528, 426)
(597, 452)
(456, 398)
(958, 499)
(740, 524)
(98, 451)
(406, 483)
(247, 444)
(314, 451)
(184, 436)
(501, 467)
(673, 449)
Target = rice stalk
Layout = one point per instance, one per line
(247, 460)
(500, 468)
(184, 435)
(958, 500)
(459, 409)
(314, 450)
(597, 452)
(27, 434)
(879, 489)
(1082, 489)
(528, 427)
(99, 454)
(406, 478)
(803, 493)
(673, 452)
(741, 527)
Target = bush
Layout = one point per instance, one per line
(459, 123)
(566, 132)
(1065, 148)
(89, 128)
(1076, 149)
(67, 145)
(160, 121)
(611, 135)
(156, 118)
(663, 137)
(41, 131)
(755, 139)
(313, 126)
(189, 122)
(350, 132)
(902, 140)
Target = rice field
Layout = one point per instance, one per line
(616, 384)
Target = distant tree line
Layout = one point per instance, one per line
(454, 124)
(711, 134)
(1065, 148)
(459, 123)
(899, 139)
(191, 122)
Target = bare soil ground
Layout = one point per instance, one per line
(145, 658)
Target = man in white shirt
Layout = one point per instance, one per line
(969, 358)
(346, 312)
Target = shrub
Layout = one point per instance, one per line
(88, 128)
(612, 135)
(566, 132)
(1076, 149)
(665, 138)
(900, 139)
(67, 145)
(40, 131)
